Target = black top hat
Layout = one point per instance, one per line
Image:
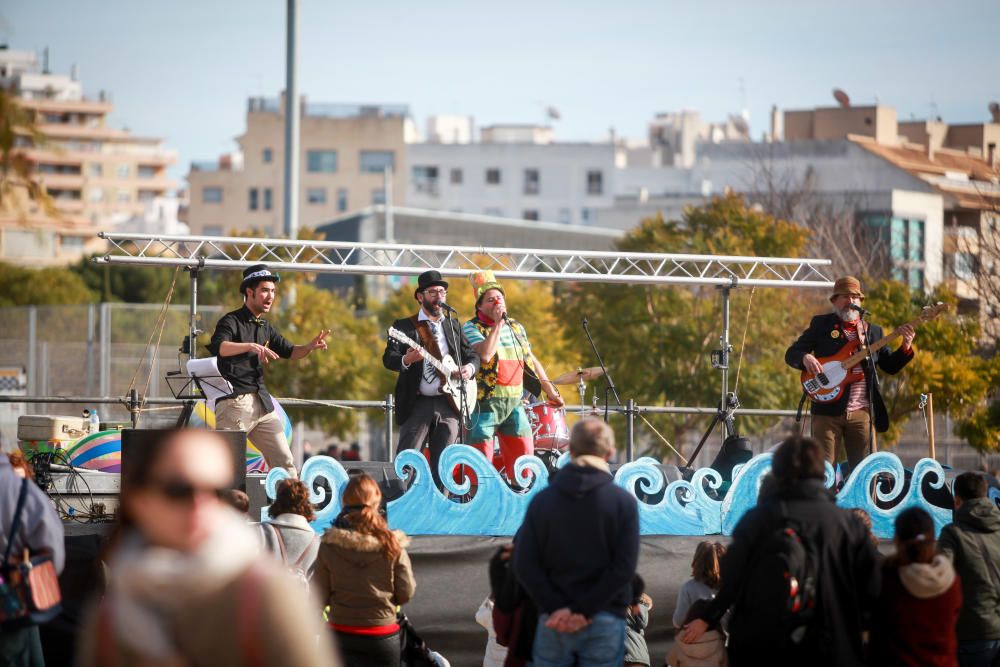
(256, 274)
(429, 279)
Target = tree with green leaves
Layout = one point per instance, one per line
(656, 339)
(20, 188)
(42, 287)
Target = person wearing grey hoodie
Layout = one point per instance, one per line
(972, 543)
(288, 534)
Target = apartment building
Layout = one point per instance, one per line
(97, 176)
(345, 150)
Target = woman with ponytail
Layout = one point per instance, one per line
(704, 582)
(363, 572)
(914, 620)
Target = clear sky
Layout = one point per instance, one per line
(182, 69)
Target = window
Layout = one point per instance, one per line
(147, 195)
(425, 180)
(565, 216)
(595, 183)
(96, 195)
(456, 176)
(73, 243)
(267, 156)
(95, 169)
(122, 171)
(375, 162)
(146, 171)
(904, 239)
(378, 196)
(493, 176)
(213, 230)
(211, 195)
(254, 202)
(494, 211)
(964, 265)
(324, 162)
(316, 195)
(124, 196)
(341, 199)
(532, 183)
(268, 199)
(584, 216)
(530, 214)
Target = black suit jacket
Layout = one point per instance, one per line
(408, 382)
(817, 340)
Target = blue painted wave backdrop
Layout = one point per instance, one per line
(680, 507)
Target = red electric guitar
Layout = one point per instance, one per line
(830, 384)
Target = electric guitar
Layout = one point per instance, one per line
(452, 387)
(831, 383)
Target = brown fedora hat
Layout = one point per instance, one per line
(848, 285)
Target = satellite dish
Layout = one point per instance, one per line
(841, 98)
(995, 111)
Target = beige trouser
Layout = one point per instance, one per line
(245, 413)
(849, 430)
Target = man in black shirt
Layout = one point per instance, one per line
(244, 344)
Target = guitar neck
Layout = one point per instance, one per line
(428, 357)
(862, 354)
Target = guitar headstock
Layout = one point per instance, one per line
(929, 313)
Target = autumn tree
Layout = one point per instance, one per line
(656, 339)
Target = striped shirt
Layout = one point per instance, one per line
(858, 393)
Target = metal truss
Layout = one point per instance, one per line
(235, 253)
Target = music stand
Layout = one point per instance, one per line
(195, 387)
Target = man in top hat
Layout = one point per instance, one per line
(847, 421)
(244, 344)
(422, 410)
(505, 353)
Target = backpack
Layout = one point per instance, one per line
(781, 589)
(301, 575)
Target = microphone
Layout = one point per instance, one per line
(444, 304)
(855, 307)
(505, 318)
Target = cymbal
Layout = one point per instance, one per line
(585, 374)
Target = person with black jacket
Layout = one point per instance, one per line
(844, 564)
(422, 410)
(847, 420)
(576, 555)
(972, 543)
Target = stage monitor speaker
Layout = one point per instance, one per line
(135, 438)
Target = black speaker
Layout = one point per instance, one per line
(135, 438)
(735, 450)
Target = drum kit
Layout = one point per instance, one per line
(548, 423)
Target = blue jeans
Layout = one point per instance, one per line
(600, 644)
(979, 653)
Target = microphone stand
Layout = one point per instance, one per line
(457, 352)
(871, 378)
(610, 384)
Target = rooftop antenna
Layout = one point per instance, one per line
(45, 61)
(842, 99)
(995, 111)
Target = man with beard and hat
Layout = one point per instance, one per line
(847, 421)
(422, 410)
(244, 344)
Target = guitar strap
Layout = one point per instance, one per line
(426, 339)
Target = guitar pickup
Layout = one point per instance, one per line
(823, 379)
(812, 385)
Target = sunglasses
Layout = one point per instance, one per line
(184, 492)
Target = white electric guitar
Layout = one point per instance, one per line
(452, 387)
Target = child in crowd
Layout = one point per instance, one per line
(704, 581)
(636, 619)
(708, 651)
(913, 622)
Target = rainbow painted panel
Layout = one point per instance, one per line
(100, 451)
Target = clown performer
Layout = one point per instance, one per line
(505, 354)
